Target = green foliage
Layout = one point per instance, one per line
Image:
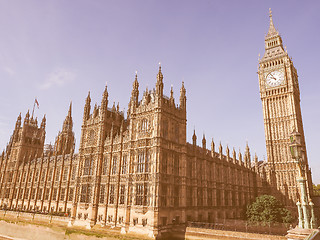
(267, 209)
(316, 189)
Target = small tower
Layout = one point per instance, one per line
(247, 156)
(220, 151)
(159, 84)
(43, 122)
(194, 138)
(171, 96)
(240, 158)
(212, 147)
(228, 153)
(135, 91)
(104, 101)
(256, 162)
(183, 98)
(204, 142)
(18, 122)
(86, 110)
(65, 140)
(234, 156)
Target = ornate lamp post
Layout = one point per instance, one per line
(303, 206)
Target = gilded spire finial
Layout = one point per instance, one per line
(270, 14)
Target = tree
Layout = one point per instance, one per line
(316, 189)
(267, 209)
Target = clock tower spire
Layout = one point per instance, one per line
(280, 96)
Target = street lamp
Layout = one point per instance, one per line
(298, 154)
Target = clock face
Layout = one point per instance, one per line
(275, 78)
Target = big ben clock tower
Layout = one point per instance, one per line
(280, 95)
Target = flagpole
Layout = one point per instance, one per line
(33, 108)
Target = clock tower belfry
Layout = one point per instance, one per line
(280, 95)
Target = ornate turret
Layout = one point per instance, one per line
(240, 158)
(135, 92)
(220, 150)
(68, 123)
(234, 156)
(183, 98)
(43, 122)
(65, 140)
(159, 84)
(256, 162)
(212, 146)
(27, 117)
(228, 153)
(204, 142)
(18, 122)
(171, 96)
(87, 106)
(247, 156)
(194, 138)
(104, 101)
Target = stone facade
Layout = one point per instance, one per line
(139, 172)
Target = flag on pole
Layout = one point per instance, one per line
(36, 102)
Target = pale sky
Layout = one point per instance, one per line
(58, 50)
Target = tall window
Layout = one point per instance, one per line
(86, 167)
(176, 130)
(102, 190)
(189, 196)
(209, 197)
(122, 193)
(114, 165)
(189, 168)
(40, 193)
(111, 194)
(105, 166)
(165, 128)
(91, 138)
(144, 125)
(176, 196)
(43, 175)
(50, 174)
(33, 191)
(29, 179)
(73, 174)
(164, 162)
(65, 173)
(163, 192)
(54, 195)
(141, 162)
(200, 197)
(176, 164)
(36, 176)
(46, 196)
(142, 194)
(24, 177)
(57, 176)
(147, 164)
(85, 193)
(70, 195)
(218, 197)
(62, 194)
(139, 194)
(124, 164)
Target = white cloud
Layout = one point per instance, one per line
(9, 70)
(58, 78)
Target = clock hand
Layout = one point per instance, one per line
(272, 76)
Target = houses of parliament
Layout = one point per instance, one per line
(140, 173)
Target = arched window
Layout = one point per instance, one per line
(144, 125)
